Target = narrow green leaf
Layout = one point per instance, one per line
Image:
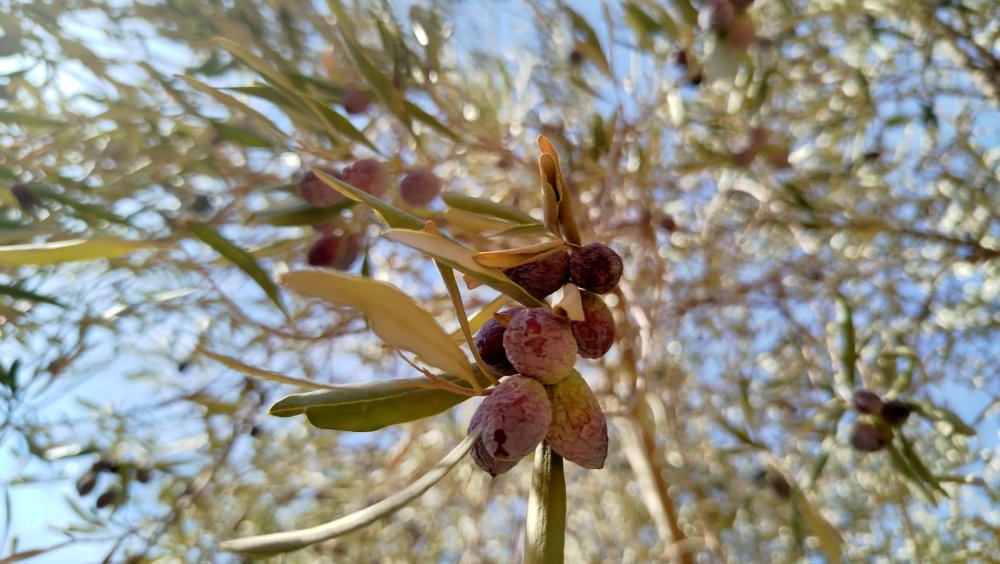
(848, 342)
(241, 136)
(29, 554)
(69, 251)
(422, 116)
(921, 470)
(83, 209)
(239, 257)
(739, 434)
(590, 39)
(903, 467)
(28, 119)
(22, 294)
(229, 101)
(380, 84)
(545, 529)
(484, 206)
(371, 406)
(390, 214)
(259, 65)
(277, 543)
(12, 225)
(340, 123)
(265, 92)
(300, 215)
(824, 456)
(640, 21)
(936, 413)
(265, 374)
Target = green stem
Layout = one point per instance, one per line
(545, 530)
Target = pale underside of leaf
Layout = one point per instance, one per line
(393, 315)
(570, 305)
(509, 258)
(56, 252)
(552, 174)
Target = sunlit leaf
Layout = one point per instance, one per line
(70, 251)
(475, 223)
(393, 315)
(571, 304)
(509, 258)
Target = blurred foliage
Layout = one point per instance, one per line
(814, 214)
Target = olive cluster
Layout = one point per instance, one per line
(121, 473)
(543, 399)
(875, 432)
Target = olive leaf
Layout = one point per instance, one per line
(461, 259)
(390, 214)
(475, 223)
(55, 252)
(830, 541)
(554, 186)
(264, 374)
(484, 206)
(239, 257)
(370, 406)
(509, 258)
(571, 304)
(393, 315)
(481, 317)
